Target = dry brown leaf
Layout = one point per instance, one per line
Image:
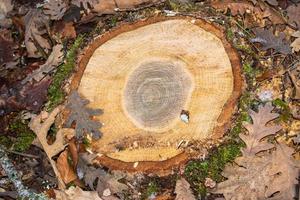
(76, 193)
(52, 62)
(7, 47)
(36, 25)
(73, 151)
(81, 114)
(293, 13)
(40, 125)
(288, 168)
(67, 173)
(294, 74)
(183, 190)
(269, 41)
(296, 43)
(5, 7)
(267, 176)
(64, 30)
(258, 130)
(55, 9)
(104, 181)
(85, 4)
(260, 11)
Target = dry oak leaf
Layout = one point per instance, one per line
(36, 25)
(81, 115)
(293, 13)
(246, 180)
(284, 164)
(55, 9)
(85, 4)
(296, 43)
(76, 193)
(261, 11)
(260, 177)
(258, 130)
(7, 50)
(294, 74)
(269, 41)
(104, 181)
(5, 7)
(183, 190)
(40, 125)
(67, 173)
(64, 30)
(55, 58)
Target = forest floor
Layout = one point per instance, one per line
(39, 44)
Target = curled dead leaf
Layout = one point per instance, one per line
(67, 173)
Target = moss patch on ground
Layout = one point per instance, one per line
(196, 171)
(56, 93)
(24, 136)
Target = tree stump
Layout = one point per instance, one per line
(164, 84)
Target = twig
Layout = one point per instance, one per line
(22, 154)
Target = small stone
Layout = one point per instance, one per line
(209, 183)
(135, 164)
(106, 192)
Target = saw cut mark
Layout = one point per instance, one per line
(155, 94)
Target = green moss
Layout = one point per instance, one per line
(285, 112)
(113, 21)
(5, 141)
(86, 142)
(24, 135)
(178, 6)
(152, 188)
(246, 49)
(55, 92)
(229, 34)
(197, 171)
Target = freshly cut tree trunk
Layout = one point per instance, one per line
(166, 85)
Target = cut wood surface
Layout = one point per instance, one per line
(145, 74)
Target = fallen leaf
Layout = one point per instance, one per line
(267, 176)
(85, 4)
(269, 41)
(296, 43)
(5, 7)
(81, 115)
(67, 173)
(64, 30)
(54, 59)
(8, 58)
(183, 190)
(294, 73)
(73, 151)
(283, 163)
(36, 25)
(258, 130)
(260, 11)
(103, 181)
(33, 96)
(55, 9)
(293, 13)
(17, 97)
(76, 193)
(40, 125)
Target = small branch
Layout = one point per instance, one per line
(22, 154)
